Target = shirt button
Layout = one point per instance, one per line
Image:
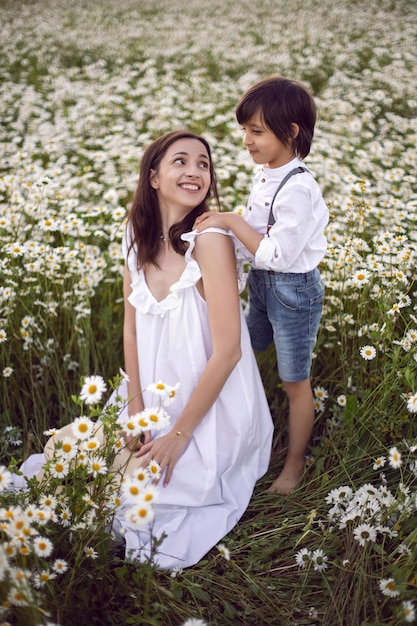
(250, 208)
(263, 180)
(266, 203)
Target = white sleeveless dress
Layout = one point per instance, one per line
(229, 451)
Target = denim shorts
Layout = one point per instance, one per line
(286, 308)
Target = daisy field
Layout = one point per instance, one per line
(84, 87)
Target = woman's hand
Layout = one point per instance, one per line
(135, 443)
(166, 451)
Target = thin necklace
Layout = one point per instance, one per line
(164, 238)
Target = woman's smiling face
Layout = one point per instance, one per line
(183, 176)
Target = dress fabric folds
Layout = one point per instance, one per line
(229, 451)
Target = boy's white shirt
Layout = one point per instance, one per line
(296, 242)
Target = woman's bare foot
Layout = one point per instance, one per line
(288, 479)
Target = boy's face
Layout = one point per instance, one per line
(263, 145)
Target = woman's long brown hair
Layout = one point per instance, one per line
(144, 220)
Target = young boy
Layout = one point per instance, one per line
(283, 230)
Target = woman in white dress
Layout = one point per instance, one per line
(184, 324)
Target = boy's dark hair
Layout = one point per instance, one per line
(281, 102)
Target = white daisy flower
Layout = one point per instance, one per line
(412, 403)
(90, 552)
(50, 432)
(364, 533)
(321, 393)
(408, 611)
(157, 418)
(319, 560)
(43, 516)
(48, 502)
(150, 493)
(97, 465)
(5, 478)
(159, 388)
(59, 468)
(339, 495)
(172, 394)
(91, 444)
(60, 566)
(303, 557)
(368, 353)
(395, 458)
(176, 571)
(389, 587)
(142, 475)
(318, 405)
(20, 597)
(139, 516)
(82, 458)
(93, 389)
(224, 551)
(379, 462)
(67, 448)
(154, 469)
(82, 427)
(360, 278)
(131, 489)
(404, 550)
(119, 444)
(135, 425)
(41, 578)
(341, 400)
(42, 546)
(18, 575)
(65, 516)
(124, 375)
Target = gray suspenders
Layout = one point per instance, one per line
(296, 170)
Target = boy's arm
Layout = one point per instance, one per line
(249, 237)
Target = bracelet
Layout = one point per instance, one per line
(178, 433)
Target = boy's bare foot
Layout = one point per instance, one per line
(288, 480)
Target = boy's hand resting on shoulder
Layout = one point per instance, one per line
(211, 219)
